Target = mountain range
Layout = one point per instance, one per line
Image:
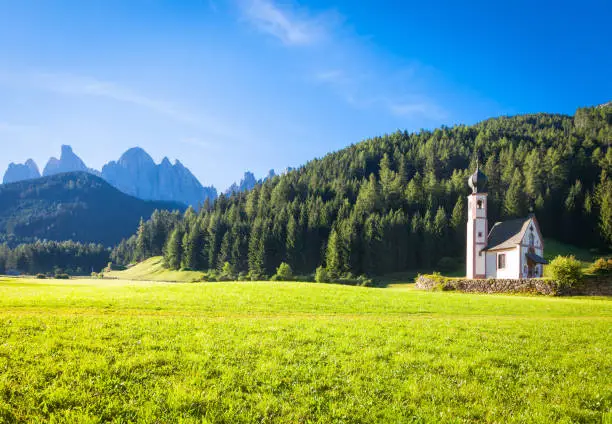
(135, 173)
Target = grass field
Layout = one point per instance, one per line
(121, 351)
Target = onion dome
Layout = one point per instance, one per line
(477, 181)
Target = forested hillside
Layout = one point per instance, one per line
(398, 202)
(72, 206)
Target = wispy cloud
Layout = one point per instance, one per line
(87, 86)
(290, 26)
(78, 85)
(347, 63)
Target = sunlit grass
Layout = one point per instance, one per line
(104, 350)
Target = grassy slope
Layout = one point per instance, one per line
(93, 350)
(153, 270)
(553, 248)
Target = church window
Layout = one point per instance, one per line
(501, 261)
(479, 204)
(479, 234)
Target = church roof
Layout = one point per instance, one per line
(536, 258)
(507, 234)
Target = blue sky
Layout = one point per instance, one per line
(235, 85)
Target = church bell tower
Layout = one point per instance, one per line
(477, 226)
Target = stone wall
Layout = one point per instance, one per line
(528, 285)
(591, 286)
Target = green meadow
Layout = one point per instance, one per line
(90, 350)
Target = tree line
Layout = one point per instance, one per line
(398, 202)
(54, 257)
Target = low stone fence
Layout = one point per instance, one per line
(591, 286)
(528, 285)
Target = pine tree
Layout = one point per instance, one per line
(192, 248)
(141, 242)
(514, 202)
(334, 257)
(604, 195)
(174, 249)
(225, 253)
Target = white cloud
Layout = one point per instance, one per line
(289, 26)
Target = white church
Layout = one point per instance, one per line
(512, 249)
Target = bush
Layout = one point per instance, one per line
(255, 276)
(321, 276)
(41, 276)
(447, 264)
(227, 272)
(600, 267)
(566, 270)
(284, 272)
(62, 276)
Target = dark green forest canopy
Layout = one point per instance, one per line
(72, 206)
(398, 202)
(54, 257)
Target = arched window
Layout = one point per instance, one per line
(479, 204)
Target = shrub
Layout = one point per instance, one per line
(284, 272)
(600, 267)
(321, 275)
(255, 276)
(566, 270)
(41, 276)
(62, 276)
(227, 272)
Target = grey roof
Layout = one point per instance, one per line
(507, 234)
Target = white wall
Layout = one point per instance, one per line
(512, 269)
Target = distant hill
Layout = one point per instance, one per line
(135, 173)
(72, 206)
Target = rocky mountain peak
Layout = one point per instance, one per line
(136, 156)
(19, 172)
(68, 162)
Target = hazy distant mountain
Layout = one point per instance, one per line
(68, 162)
(248, 181)
(135, 173)
(72, 206)
(20, 172)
